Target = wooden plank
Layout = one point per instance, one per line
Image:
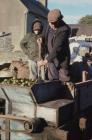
(57, 111)
(80, 83)
(12, 117)
(7, 129)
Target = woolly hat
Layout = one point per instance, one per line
(37, 25)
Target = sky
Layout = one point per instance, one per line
(72, 10)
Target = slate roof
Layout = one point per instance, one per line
(82, 29)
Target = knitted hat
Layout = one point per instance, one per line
(37, 25)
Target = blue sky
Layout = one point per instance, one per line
(72, 10)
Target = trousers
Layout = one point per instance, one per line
(55, 73)
(33, 70)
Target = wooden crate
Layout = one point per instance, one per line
(84, 95)
(54, 102)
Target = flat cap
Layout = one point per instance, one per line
(54, 15)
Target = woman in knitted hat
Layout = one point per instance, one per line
(30, 47)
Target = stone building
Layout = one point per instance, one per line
(16, 17)
(81, 29)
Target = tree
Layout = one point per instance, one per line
(86, 20)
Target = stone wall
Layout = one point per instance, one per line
(6, 42)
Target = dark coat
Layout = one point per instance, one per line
(60, 45)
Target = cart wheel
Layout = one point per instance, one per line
(28, 126)
(35, 126)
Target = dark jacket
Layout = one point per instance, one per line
(60, 45)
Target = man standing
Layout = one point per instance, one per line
(31, 49)
(56, 38)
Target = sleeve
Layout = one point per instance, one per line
(24, 40)
(24, 44)
(44, 50)
(58, 45)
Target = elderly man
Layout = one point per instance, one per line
(56, 39)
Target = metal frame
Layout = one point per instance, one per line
(7, 122)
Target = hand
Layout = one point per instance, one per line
(42, 63)
(45, 62)
(39, 41)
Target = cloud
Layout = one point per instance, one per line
(72, 10)
(73, 2)
(71, 19)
